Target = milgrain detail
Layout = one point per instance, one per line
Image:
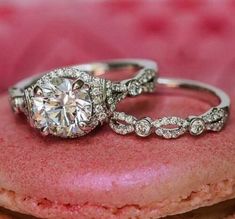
(169, 127)
(204, 196)
(172, 127)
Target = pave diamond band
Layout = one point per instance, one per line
(70, 102)
(173, 127)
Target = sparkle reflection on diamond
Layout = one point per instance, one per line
(143, 127)
(197, 127)
(60, 108)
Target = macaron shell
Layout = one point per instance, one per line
(225, 210)
(105, 175)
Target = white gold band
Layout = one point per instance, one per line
(212, 120)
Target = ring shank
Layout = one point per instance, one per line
(141, 66)
(224, 100)
(98, 68)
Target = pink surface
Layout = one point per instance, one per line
(119, 173)
(194, 40)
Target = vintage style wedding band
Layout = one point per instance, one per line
(70, 102)
(173, 127)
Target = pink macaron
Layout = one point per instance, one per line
(224, 210)
(108, 176)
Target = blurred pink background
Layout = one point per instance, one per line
(194, 38)
(188, 38)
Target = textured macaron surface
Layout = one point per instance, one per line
(224, 210)
(114, 174)
(105, 175)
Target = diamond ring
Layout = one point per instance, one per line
(173, 127)
(70, 102)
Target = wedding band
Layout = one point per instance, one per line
(70, 102)
(212, 120)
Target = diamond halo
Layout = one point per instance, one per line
(64, 103)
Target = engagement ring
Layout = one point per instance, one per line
(70, 102)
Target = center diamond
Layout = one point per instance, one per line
(61, 106)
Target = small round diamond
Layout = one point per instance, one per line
(143, 127)
(134, 88)
(167, 134)
(102, 116)
(197, 126)
(159, 132)
(99, 109)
